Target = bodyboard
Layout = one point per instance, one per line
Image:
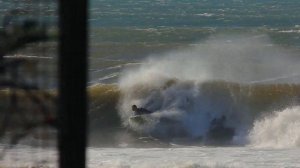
(138, 119)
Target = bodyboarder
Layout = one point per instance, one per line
(140, 111)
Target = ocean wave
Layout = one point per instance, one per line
(188, 112)
(205, 14)
(289, 31)
(187, 108)
(188, 89)
(27, 56)
(278, 130)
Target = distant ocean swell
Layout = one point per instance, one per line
(188, 108)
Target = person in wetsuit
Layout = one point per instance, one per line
(218, 132)
(140, 111)
(218, 123)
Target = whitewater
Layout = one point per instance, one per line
(186, 90)
(179, 157)
(217, 78)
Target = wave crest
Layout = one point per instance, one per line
(279, 130)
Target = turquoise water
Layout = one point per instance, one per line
(126, 32)
(179, 21)
(191, 13)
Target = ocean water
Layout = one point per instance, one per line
(190, 62)
(183, 157)
(126, 33)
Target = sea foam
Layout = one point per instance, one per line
(175, 84)
(278, 130)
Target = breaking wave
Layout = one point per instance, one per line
(262, 115)
(279, 130)
(242, 78)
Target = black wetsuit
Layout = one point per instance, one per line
(141, 111)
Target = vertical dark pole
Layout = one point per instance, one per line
(72, 116)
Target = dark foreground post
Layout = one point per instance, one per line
(72, 116)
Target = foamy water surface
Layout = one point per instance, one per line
(183, 157)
